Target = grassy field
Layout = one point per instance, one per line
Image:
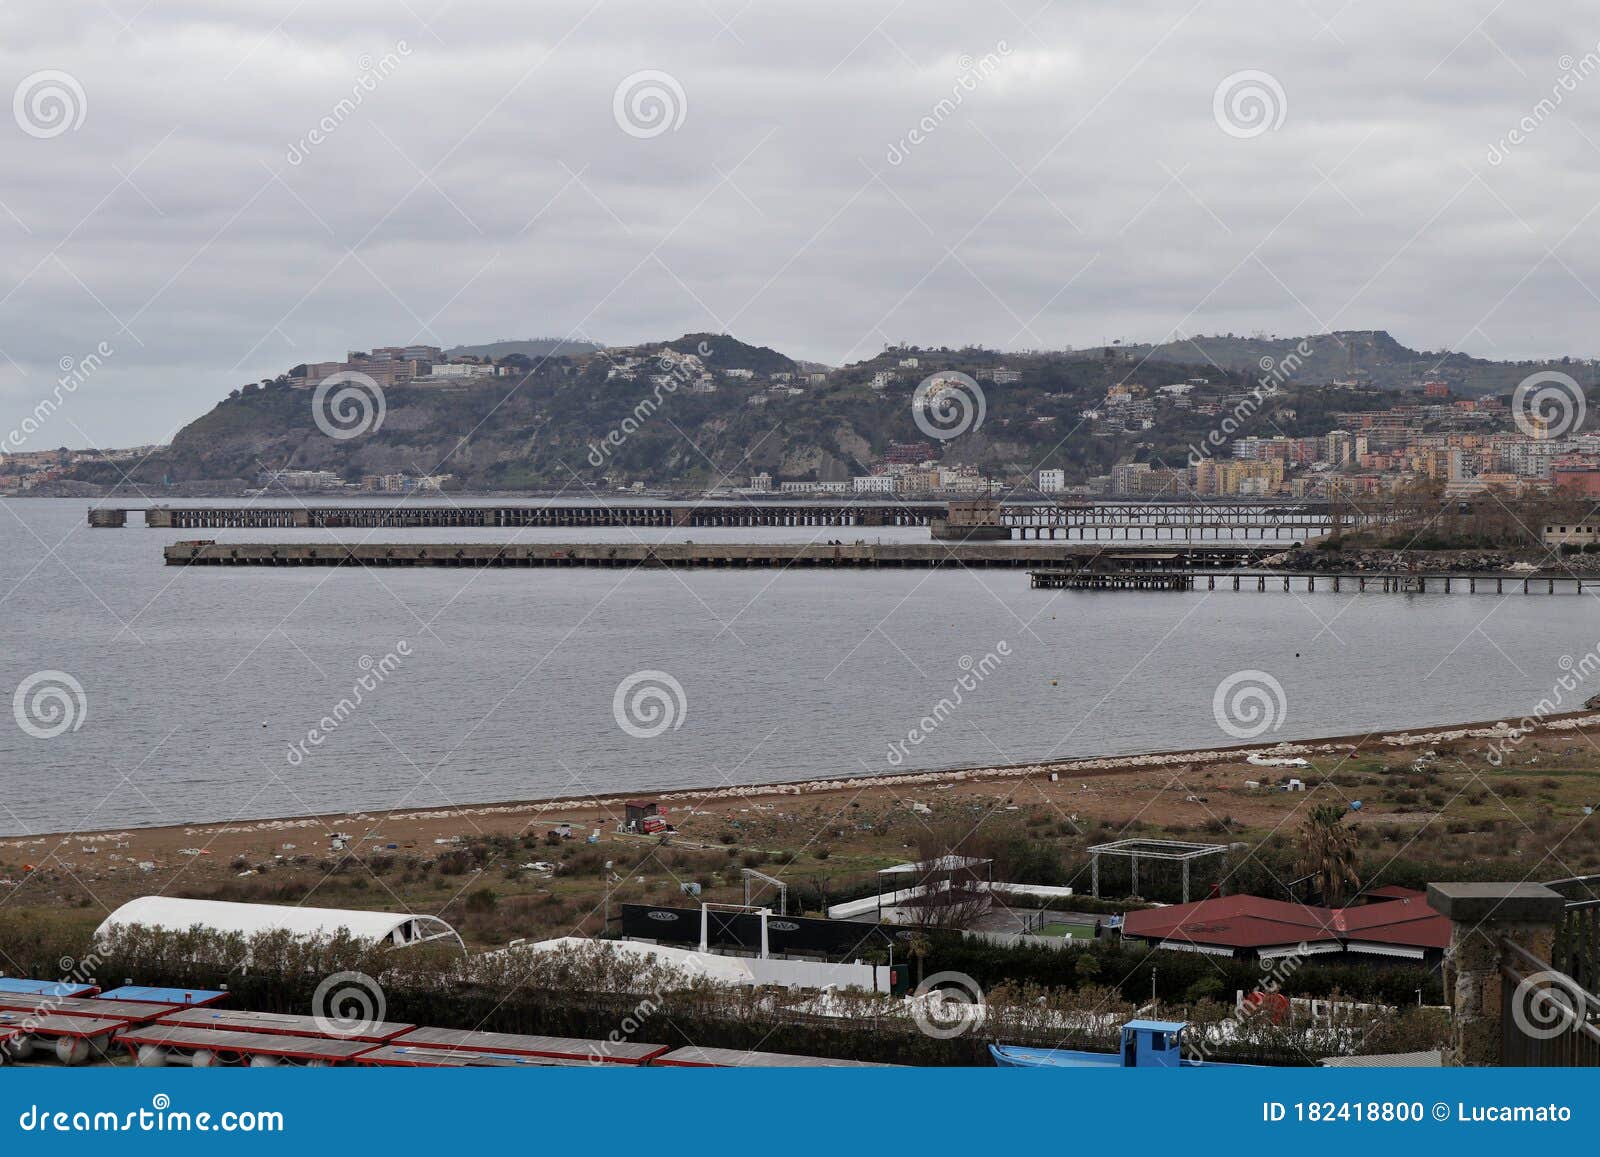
(1451, 814)
(1061, 929)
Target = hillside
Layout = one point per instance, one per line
(1368, 356)
(597, 419)
(534, 347)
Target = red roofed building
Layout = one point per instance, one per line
(1398, 924)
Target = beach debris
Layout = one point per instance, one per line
(1264, 761)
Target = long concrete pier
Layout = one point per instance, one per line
(962, 519)
(1015, 555)
(543, 515)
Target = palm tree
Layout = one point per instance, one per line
(919, 946)
(1328, 852)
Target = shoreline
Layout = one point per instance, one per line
(1349, 744)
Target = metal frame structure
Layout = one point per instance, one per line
(761, 911)
(1177, 850)
(783, 889)
(934, 875)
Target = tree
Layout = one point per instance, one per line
(919, 946)
(1328, 852)
(952, 892)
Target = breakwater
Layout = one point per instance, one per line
(858, 555)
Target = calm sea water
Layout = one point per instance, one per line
(198, 683)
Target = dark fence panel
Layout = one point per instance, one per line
(1577, 947)
(786, 935)
(1547, 1019)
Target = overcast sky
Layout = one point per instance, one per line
(623, 170)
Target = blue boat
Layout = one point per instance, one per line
(1146, 1044)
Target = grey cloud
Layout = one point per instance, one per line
(1082, 191)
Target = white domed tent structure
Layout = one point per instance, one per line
(176, 914)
